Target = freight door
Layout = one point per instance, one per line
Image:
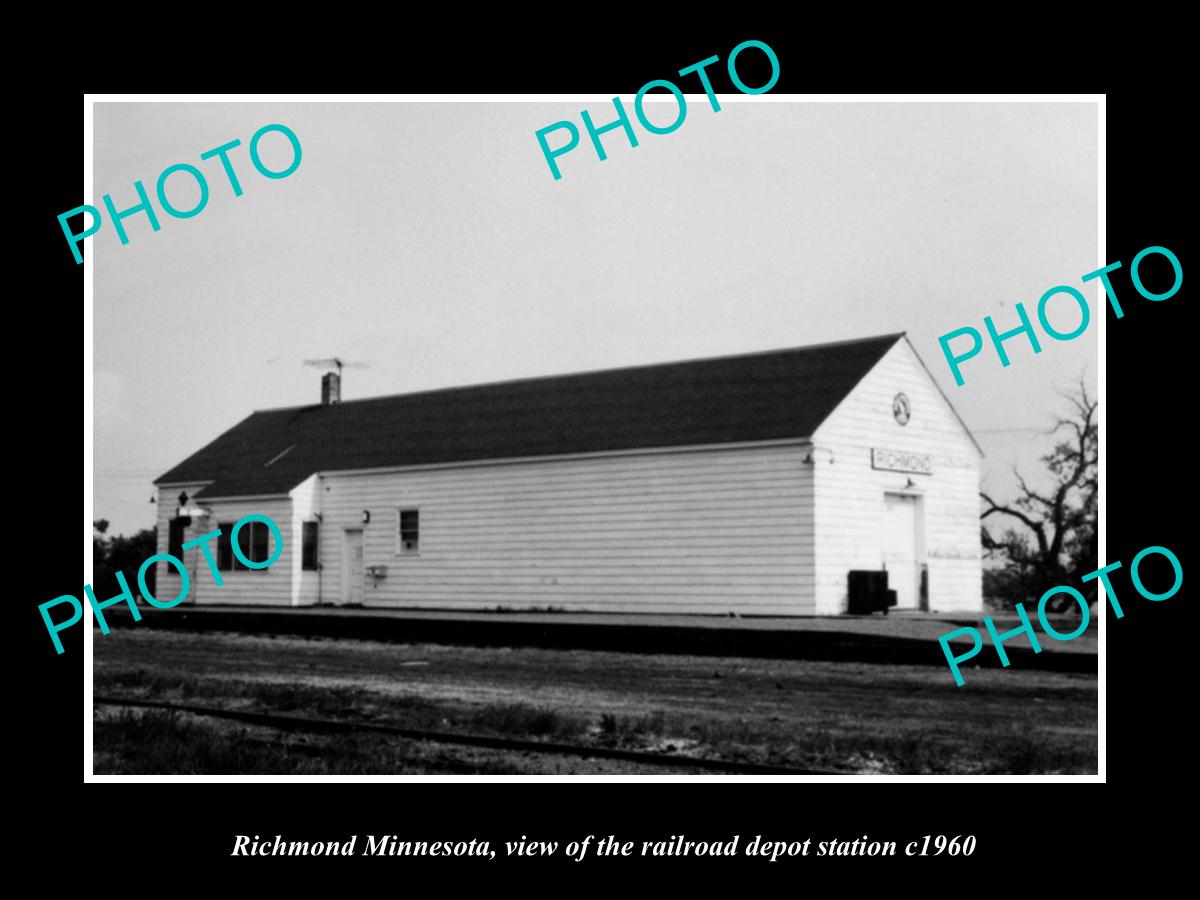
(900, 521)
(352, 567)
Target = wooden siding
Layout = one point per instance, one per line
(850, 493)
(753, 530)
(271, 586)
(166, 503)
(711, 531)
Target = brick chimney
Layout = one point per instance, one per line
(331, 388)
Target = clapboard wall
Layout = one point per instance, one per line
(272, 586)
(166, 505)
(700, 531)
(770, 528)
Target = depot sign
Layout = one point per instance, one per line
(901, 461)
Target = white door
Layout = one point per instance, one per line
(352, 567)
(900, 548)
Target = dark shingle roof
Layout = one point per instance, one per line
(761, 396)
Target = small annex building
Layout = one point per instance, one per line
(746, 484)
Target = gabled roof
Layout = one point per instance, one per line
(757, 397)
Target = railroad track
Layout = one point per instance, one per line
(336, 726)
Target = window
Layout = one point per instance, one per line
(254, 541)
(225, 548)
(175, 540)
(308, 552)
(409, 531)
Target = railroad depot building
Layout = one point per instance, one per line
(747, 484)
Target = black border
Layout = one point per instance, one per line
(166, 826)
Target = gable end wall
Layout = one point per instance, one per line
(850, 493)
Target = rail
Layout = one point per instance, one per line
(336, 726)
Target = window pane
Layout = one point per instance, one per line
(243, 539)
(261, 538)
(175, 542)
(175, 538)
(409, 530)
(224, 547)
(308, 559)
(408, 524)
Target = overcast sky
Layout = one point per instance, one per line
(431, 242)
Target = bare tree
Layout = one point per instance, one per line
(1058, 546)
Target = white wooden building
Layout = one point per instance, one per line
(751, 484)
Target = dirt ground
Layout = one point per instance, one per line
(855, 718)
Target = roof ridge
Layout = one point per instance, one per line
(894, 336)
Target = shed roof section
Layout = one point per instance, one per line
(757, 397)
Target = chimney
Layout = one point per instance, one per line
(331, 388)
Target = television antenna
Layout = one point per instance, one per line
(336, 362)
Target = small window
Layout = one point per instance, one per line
(225, 548)
(409, 531)
(308, 553)
(260, 542)
(175, 540)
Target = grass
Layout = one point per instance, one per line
(342, 703)
(849, 717)
(151, 742)
(523, 720)
(615, 730)
(156, 742)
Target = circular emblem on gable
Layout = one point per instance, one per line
(901, 408)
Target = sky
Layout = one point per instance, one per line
(430, 243)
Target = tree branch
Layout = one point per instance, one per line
(1036, 527)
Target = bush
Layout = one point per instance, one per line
(113, 554)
